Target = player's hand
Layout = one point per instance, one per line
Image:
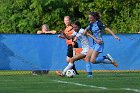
(59, 36)
(73, 43)
(61, 31)
(117, 38)
(98, 41)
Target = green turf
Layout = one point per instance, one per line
(10, 82)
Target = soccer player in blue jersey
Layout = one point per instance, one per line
(83, 38)
(97, 28)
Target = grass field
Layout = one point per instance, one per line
(102, 82)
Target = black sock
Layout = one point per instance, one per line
(74, 69)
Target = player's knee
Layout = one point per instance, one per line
(93, 61)
(72, 60)
(68, 60)
(87, 59)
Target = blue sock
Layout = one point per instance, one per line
(102, 60)
(89, 68)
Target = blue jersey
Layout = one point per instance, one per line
(97, 29)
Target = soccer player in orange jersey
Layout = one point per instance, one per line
(70, 43)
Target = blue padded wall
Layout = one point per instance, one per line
(41, 52)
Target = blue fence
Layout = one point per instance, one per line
(41, 52)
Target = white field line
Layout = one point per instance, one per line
(78, 84)
(91, 86)
(129, 89)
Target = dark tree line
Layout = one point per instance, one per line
(27, 16)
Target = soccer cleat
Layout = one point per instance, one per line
(109, 57)
(77, 73)
(59, 73)
(115, 64)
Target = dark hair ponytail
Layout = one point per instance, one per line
(98, 17)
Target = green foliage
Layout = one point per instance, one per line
(26, 16)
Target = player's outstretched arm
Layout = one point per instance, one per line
(61, 36)
(68, 37)
(111, 32)
(96, 40)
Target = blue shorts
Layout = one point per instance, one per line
(98, 48)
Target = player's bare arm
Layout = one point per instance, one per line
(61, 36)
(68, 37)
(111, 32)
(96, 40)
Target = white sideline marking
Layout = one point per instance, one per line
(91, 86)
(134, 90)
(78, 84)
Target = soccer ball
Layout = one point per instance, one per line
(70, 73)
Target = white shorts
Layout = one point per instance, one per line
(84, 51)
(80, 51)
